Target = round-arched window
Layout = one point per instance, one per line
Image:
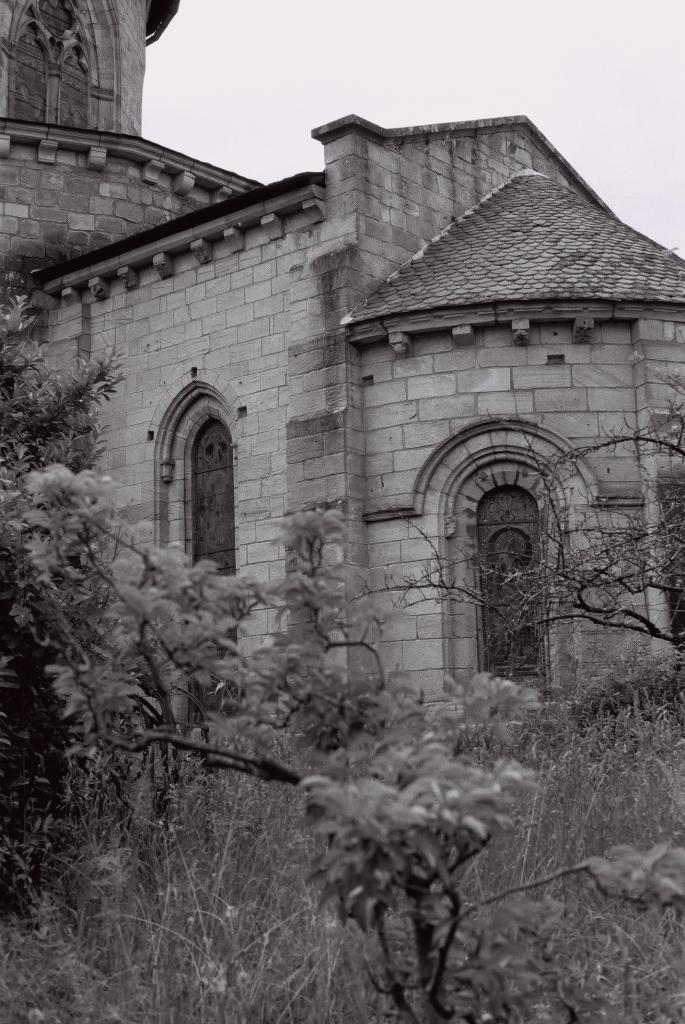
(508, 546)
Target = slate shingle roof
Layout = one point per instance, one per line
(530, 239)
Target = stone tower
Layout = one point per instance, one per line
(78, 63)
(75, 175)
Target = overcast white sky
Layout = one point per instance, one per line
(241, 85)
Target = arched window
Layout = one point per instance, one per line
(508, 544)
(51, 76)
(212, 495)
(28, 95)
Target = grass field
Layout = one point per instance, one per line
(212, 920)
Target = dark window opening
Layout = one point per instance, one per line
(213, 525)
(213, 513)
(508, 546)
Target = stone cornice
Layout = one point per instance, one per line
(157, 247)
(123, 147)
(417, 323)
(353, 124)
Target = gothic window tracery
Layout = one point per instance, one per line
(508, 543)
(51, 74)
(213, 506)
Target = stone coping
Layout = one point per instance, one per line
(353, 124)
(103, 144)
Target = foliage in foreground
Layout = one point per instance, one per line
(211, 917)
(401, 810)
(46, 416)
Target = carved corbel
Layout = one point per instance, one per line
(70, 296)
(166, 470)
(201, 250)
(129, 276)
(583, 330)
(163, 264)
(235, 239)
(316, 208)
(400, 343)
(463, 335)
(183, 183)
(151, 171)
(221, 194)
(520, 332)
(97, 158)
(99, 288)
(47, 151)
(273, 225)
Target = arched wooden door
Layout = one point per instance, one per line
(213, 525)
(508, 543)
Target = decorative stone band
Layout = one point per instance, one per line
(201, 234)
(184, 172)
(462, 321)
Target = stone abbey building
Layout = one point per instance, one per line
(406, 332)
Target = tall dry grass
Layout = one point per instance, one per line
(620, 779)
(211, 920)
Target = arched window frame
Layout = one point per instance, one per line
(185, 418)
(57, 52)
(478, 476)
(445, 495)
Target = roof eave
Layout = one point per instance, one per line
(160, 15)
(176, 235)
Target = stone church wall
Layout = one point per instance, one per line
(388, 192)
(64, 192)
(248, 323)
(222, 326)
(413, 405)
(406, 185)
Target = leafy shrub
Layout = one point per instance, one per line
(650, 684)
(45, 416)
